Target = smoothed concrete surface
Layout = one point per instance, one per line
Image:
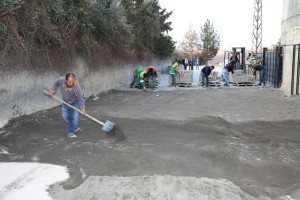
(248, 136)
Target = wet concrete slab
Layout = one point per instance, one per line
(247, 136)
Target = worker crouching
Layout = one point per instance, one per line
(152, 75)
(139, 75)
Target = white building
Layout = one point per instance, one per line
(290, 39)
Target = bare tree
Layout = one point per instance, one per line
(191, 44)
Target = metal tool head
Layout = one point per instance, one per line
(108, 126)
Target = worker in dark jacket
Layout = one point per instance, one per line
(228, 68)
(184, 64)
(205, 72)
(261, 69)
(191, 63)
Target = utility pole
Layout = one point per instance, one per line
(257, 29)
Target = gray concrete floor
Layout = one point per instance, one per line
(250, 136)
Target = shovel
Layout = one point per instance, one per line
(108, 126)
(94, 93)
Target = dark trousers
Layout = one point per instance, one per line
(152, 81)
(173, 79)
(204, 78)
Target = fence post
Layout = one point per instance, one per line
(298, 68)
(279, 66)
(293, 70)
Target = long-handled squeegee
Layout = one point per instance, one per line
(108, 126)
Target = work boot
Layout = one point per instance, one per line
(71, 135)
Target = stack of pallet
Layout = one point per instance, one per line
(183, 79)
(240, 78)
(239, 72)
(213, 77)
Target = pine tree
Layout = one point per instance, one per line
(210, 40)
(149, 27)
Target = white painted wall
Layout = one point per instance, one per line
(290, 35)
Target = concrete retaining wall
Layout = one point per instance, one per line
(22, 93)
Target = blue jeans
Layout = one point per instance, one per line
(153, 82)
(225, 74)
(204, 77)
(262, 76)
(70, 116)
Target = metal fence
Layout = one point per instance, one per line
(272, 60)
(295, 70)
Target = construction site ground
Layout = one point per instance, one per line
(248, 137)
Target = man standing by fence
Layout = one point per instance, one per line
(262, 70)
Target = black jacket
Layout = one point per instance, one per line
(206, 70)
(257, 67)
(230, 67)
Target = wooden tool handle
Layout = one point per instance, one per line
(58, 99)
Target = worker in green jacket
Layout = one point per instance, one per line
(139, 74)
(136, 73)
(173, 71)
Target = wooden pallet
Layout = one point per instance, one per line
(242, 84)
(215, 84)
(147, 85)
(184, 84)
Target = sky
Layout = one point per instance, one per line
(232, 19)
